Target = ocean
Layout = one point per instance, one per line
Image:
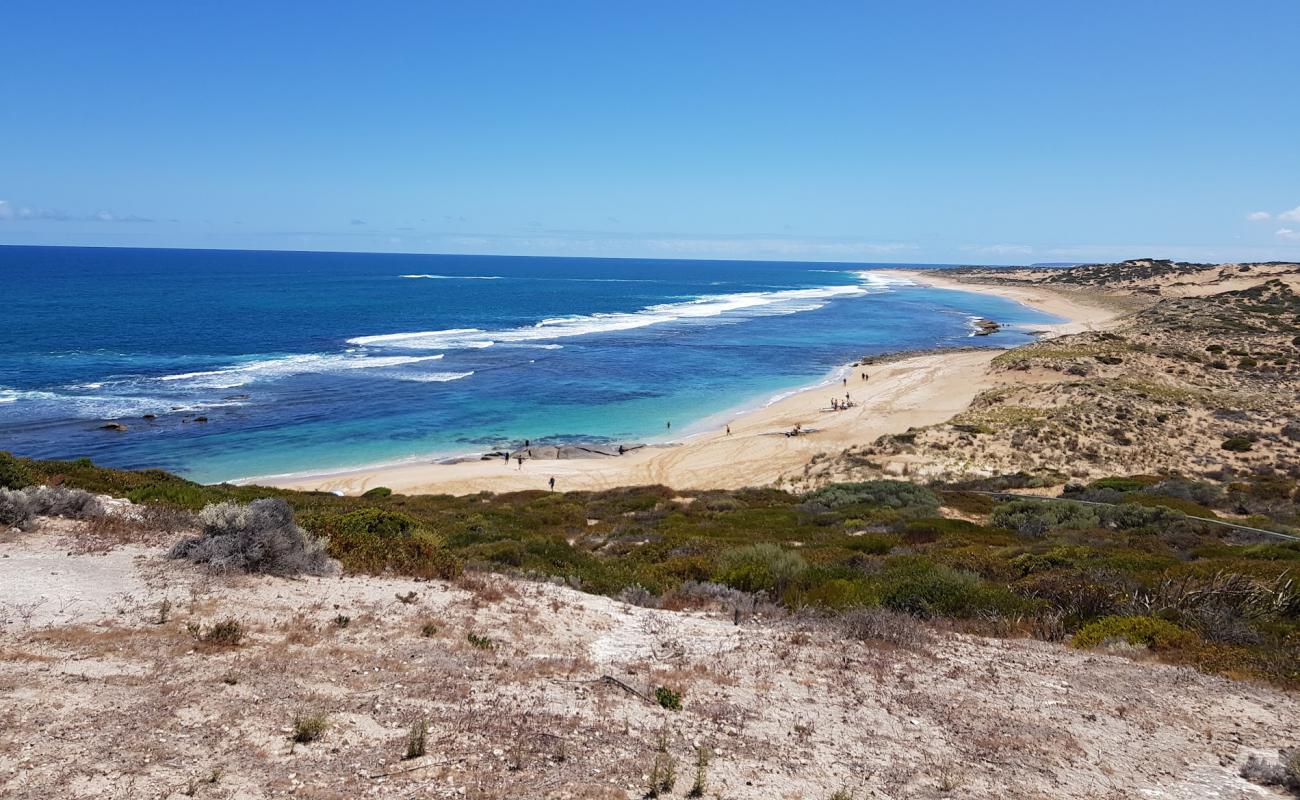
(305, 362)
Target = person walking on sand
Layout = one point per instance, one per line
(728, 430)
(552, 483)
(520, 460)
(507, 456)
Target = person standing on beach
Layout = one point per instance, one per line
(520, 460)
(507, 455)
(670, 424)
(728, 430)
(552, 483)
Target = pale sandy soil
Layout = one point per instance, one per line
(911, 392)
(113, 701)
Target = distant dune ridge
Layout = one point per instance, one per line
(1203, 376)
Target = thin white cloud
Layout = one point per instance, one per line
(1290, 216)
(1288, 235)
(10, 212)
(1259, 216)
(999, 249)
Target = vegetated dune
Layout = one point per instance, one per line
(127, 675)
(1204, 379)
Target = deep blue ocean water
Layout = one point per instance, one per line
(314, 361)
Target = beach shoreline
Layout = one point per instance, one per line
(910, 391)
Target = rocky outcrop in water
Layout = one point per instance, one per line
(551, 452)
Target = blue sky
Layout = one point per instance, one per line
(996, 132)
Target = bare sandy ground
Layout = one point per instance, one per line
(911, 392)
(118, 700)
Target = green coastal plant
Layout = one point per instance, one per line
(1157, 634)
(760, 568)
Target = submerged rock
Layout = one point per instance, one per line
(113, 426)
(554, 452)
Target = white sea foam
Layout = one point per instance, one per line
(786, 301)
(274, 368)
(455, 277)
(882, 280)
(429, 377)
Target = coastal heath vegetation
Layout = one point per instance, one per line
(1148, 569)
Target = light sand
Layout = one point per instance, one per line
(912, 392)
(1081, 310)
(117, 703)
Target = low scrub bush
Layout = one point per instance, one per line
(668, 698)
(15, 509)
(227, 633)
(15, 473)
(1283, 773)
(308, 728)
(374, 541)
(907, 498)
(760, 568)
(1151, 632)
(259, 537)
(882, 625)
(1035, 518)
(19, 506)
(62, 501)
(920, 587)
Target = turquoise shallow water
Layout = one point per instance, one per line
(314, 361)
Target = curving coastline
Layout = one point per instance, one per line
(909, 391)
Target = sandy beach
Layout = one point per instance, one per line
(910, 392)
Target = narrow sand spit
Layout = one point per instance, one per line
(910, 392)
(557, 699)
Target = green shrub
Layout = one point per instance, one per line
(760, 568)
(1036, 517)
(481, 642)
(309, 727)
(872, 544)
(669, 699)
(908, 498)
(1152, 632)
(15, 474)
(919, 586)
(1128, 484)
(1237, 444)
(378, 492)
(374, 541)
(1188, 507)
(838, 593)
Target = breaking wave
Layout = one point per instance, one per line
(285, 366)
(786, 301)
